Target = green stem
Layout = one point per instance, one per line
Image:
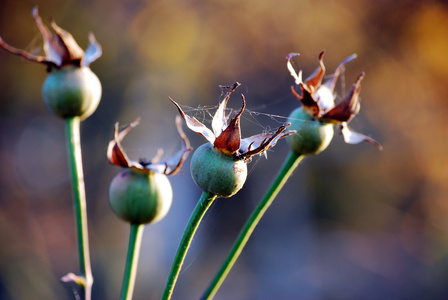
(204, 203)
(79, 201)
(285, 172)
(135, 239)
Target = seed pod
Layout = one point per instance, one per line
(72, 92)
(140, 197)
(217, 173)
(312, 136)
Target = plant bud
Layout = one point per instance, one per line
(312, 136)
(217, 173)
(140, 197)
(72, 92)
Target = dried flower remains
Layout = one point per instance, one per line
(170, 166)
(226, 134)
(60, 49)
(318, 99)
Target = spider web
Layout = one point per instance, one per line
(255, 119)
(256, 115)
(252, 115)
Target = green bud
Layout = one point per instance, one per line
(72, 92)
(313, 135)
(216, 172)
(140, 197)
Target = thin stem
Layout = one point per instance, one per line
(285, 172)
(79, 201)
(204, 203)
(135, 239)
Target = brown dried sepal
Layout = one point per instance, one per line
(268, 140)
(229, 141)
(315, 79)
(60, 49)
(170, 166)
(174, 163)
(115, 152)
(308, 102)
(349, 107)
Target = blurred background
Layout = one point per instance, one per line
(352, 222)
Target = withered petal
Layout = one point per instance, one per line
(259, 143)
(314, 80)
(195, 125)
(93, 52)
(219, 122)
(349, 106)
(229, 141)
(115, 152)
(352, 137)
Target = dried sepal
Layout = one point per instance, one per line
(93, 51)
(229, 140)
(170, 166)
(219, 121)
(353, 137)
(195, 125)
(158, 155)
(317, 98)
(314, 80)
(292, 71)
(115, 152)
(349, 107)
(60, 49)
(330, 80)
(310, 86)
(259, 143)
(308, 102)
(324, 95)
(174, 162)
(26, 55)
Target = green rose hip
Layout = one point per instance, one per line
(216, 172)
(220, 166)
(318, 112)
(72, 92)
(140, 197)
(71, 88)
(141, 193)
(312, 136)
